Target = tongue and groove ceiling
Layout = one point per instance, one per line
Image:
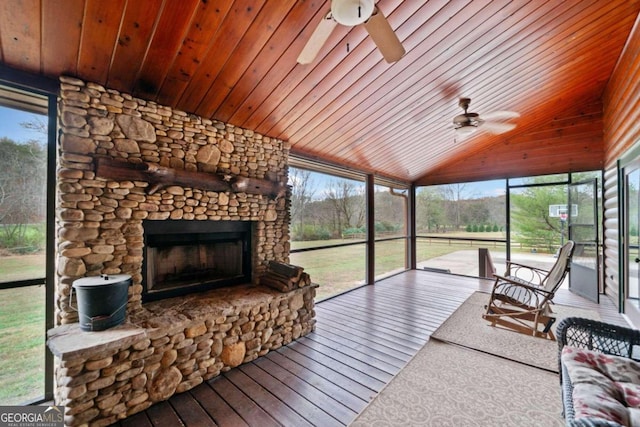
(235, 61)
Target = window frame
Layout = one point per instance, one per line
(37, 95)
(370, 240)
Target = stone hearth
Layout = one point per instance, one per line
(171, 346)
(169, 166)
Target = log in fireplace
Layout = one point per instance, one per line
(182, 257)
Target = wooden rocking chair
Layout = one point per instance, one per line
(520, 299)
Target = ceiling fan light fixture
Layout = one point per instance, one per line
(466, 130)
(351, 12)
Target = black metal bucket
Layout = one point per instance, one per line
(102, 301)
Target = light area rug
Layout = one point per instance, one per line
(448, 385)
(467, 328)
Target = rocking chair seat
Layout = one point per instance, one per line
(520, 300)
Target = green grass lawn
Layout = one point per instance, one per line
(22, 267)
(22, 341)
(339, 269)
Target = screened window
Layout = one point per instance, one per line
(390, 214)
(454, 221)
(328, 229)
(23, 219)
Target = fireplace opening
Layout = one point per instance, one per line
(182, 257)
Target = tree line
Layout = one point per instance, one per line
(337, 209)
(23, 195)
(452, 208)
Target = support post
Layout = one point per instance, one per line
(371, 231)
(485, 264)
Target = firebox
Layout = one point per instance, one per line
(182, 257)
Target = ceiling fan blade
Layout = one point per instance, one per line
(317, 40)
(384, 37)
(500, 115)
(497, 127)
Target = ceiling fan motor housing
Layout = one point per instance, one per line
(466, 123)
(351, 12)
(464, 103)
(466, 119)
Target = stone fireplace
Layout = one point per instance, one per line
(192, 209)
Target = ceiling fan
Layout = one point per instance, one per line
(351, 13)
(495, 122)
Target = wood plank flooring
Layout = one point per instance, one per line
(362, 340)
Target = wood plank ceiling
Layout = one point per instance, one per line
(235, 61)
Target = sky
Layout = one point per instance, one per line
(10, 120)
(472, 190)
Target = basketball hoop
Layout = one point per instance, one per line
(561, 211)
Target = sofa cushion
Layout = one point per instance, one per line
(604, 386)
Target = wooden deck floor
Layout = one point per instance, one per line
(362, 339)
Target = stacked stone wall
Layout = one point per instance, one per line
(168, 346)
(99, 221)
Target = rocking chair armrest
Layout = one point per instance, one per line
(504, 281)
(517, 282)
(519, 265)
(526, 273)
